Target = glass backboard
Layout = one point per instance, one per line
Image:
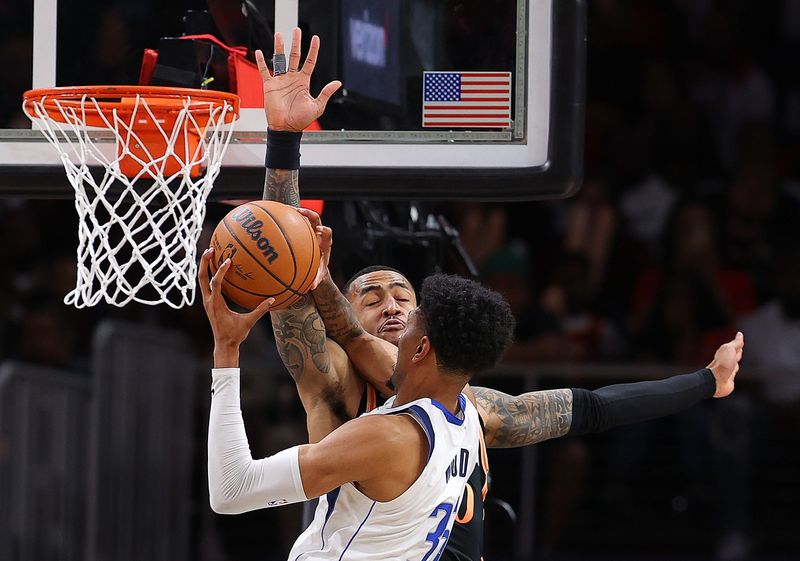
(441, 99)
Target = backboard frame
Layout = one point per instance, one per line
(559, 175)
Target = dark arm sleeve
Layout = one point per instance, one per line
(622, 404)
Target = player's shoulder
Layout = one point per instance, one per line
(432, 410)
(392, 431)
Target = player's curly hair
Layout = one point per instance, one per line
(469, 325)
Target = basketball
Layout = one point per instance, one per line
(273, 251)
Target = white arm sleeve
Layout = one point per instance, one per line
(236, 482)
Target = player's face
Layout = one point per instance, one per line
(407, 345)
(382, 301)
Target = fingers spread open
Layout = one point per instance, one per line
(278, 43)
(294, 57)
(263, 69)
(311, 57)
(327, 92)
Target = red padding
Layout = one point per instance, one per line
(148, 64)
(313, 204)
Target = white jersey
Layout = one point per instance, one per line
(349, 526)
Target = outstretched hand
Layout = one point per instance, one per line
(229, 328)
(726, 364)
(325, 241)
(288, 102)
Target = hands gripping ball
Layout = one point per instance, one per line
(273, 251)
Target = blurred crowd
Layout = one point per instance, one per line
(684, 231)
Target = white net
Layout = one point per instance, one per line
(137, 235)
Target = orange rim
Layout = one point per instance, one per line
(161, 100)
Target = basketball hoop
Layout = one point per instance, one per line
(140, 216)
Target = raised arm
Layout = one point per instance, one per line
(355, 452)
(513, 421)
(373, 357)
(340, 320)
(299, 331)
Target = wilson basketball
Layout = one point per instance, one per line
(273, 251)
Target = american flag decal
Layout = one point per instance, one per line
(466, 99)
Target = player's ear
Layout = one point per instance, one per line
(422, 350)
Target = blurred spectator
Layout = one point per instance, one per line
(538, 335)
(727, 82)
(569, 299)
(682, 311)
(591, 227)
(756, 212)
(685, 309)
(773, 337)
(483, 229)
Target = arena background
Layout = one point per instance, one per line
(685, 230)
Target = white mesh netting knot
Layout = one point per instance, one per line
(141, 199)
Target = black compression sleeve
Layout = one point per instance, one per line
(612, 406)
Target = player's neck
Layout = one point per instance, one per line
(444, 389)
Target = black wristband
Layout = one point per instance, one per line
(283, 149)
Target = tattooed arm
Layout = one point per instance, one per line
(318, 366)
(373, 357)
(299, 331)
(282, 185)
(300, 337)
(512, 421)
(340, 320)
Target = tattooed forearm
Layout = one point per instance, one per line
(314, 334)
(282, 185)
(341, 322)
(300, 338)
(513, 421)
(299, 331)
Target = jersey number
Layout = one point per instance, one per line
(469, 502)
(438, 538)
